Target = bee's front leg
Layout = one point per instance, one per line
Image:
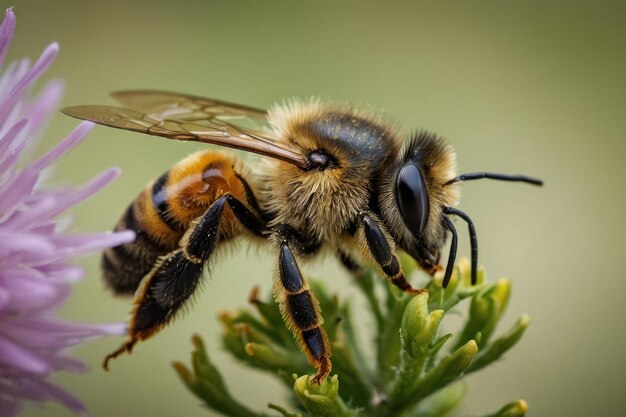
(377, 246)
(301, 312)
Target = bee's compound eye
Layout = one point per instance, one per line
(412, 197)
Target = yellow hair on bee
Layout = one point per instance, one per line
(324, 201)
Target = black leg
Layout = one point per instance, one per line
(452, 256)
(349, 263)
(246, 217)
(301, 312)
(383, 255)
(472, 235)
(174, 278)
(250, 198)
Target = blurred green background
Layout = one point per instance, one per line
(522, 87)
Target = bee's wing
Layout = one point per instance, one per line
(150, 101)
(189, 118)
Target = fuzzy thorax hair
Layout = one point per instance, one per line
(358, 143)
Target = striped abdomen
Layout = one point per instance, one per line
(161, 214)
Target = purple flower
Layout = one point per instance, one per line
(35, 272)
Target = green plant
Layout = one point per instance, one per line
(417, 370)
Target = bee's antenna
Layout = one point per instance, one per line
(472, 235)
(495, 176)
(452, 255)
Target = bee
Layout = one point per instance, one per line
(334, 178)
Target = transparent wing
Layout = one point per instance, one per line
(189, 118)
(149, 101)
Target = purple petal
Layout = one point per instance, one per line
(15, 71)
(33, 339)
(46, 390)
(64, 363)
(49, 344)
(4, 298)
(27, 291)
(21, 186)
(73, 139)
(8, 407)
(75, 330)
(45, 229)
(63, 293)
(7, 29)
(81, 244)
(24, 242)
(115, 329)
(34, 247)
(13, 387)
(46, 102)
(7, 139)
(10, 159)
(16, 356)
(62, 272)
(42, 64)
(87, 190)
(25, 219)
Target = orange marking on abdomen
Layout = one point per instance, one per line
(197, 181)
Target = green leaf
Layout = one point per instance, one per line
(410, 374)
(501, 345)
(441, 402)
(389, 346)
(447, 370)
(322, 400)
(206, 382)
(518, 408)
(282, 411)
(354, 375)
(459, 288)
(419, 330)
(486, 309)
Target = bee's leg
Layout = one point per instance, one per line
(381, 251)
(349, 263)
(301, 312)
(174, 278)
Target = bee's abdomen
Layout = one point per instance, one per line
(162, 213)
(125, 265)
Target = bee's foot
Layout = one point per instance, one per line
(125, 347)
(323, 371)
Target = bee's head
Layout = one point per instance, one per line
(413, 194)
(420, 192)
